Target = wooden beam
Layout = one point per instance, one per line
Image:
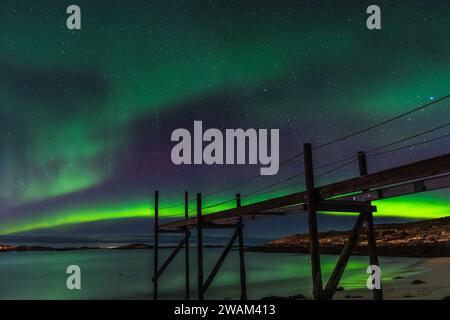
(343, 206)
(155, 249)
(199, 247)
(211, 225)
(370, 230)
(312, 223)
(373, 256)
(269, 213)
(251, 209)
(242, 274)
(171, 231)
(186, 251)
(413, 171)
(333, 281)
(423, 185)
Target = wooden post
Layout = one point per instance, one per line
(199, 247)
(241, 253)
(371, 242)
(362, 161)
(312, 223)
(186, 235)
(155, 249)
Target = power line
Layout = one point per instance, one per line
(214, 193)
(279, 189)
(349, 160)
(219, 204)
(411, 145)
(379, 124)
(352, 159)
(375, 125)
(275, 184)
(410, 137)
(175, 205)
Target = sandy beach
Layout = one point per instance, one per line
(435, 286)
(427, 240)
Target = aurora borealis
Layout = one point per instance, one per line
(86, 116)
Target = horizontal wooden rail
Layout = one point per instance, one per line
(414, 171)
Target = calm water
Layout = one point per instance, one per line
(126, 274)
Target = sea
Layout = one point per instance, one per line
(127, 274)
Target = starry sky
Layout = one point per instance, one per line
(86, 115)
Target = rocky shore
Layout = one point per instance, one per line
(430, 238)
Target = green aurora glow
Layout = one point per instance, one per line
(68, 99)
(421, 206)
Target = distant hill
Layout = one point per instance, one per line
(430, 238)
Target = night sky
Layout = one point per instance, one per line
(86, 116)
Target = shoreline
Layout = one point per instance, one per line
(132, 246)
(431, 284)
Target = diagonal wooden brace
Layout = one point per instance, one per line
(333, 281)
(222, 257)
(170, 258)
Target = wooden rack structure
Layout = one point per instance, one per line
(351, 195)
